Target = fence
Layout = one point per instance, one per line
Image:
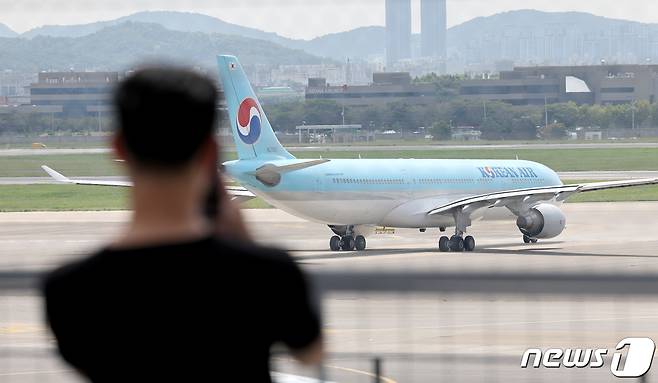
(416, 326)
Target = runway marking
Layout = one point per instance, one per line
(330, 331)
(21, 373)
(347, 369)
(280, 377)
(20, 329)
(359, 372)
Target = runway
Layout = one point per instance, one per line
(366, 148)
(419, 337)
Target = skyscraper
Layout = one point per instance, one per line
(398, 30)
(433, 28)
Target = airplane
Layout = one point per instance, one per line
(353, 196)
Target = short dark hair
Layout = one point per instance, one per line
(164, 115)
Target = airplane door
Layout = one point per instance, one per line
(318, 183)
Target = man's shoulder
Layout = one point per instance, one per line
(72, 273)
(211, 253)
(252, 252)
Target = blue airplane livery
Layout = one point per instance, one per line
(354, 196)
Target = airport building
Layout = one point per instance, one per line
(77, 93)
(385, 88)
(433, 16)
(398, 31)
(601, 84)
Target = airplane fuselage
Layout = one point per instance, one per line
(387, 192)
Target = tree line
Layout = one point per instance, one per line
(496, 120)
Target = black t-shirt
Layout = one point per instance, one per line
(206, 309)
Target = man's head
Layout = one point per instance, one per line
(166, 119)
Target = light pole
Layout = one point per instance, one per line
(545, 112)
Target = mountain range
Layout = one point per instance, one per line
(5, 31)
(359, 42)
(176, 21)
(534, 37)
(118, 46)
(523, 36)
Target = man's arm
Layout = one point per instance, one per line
(301, 326)
(312, 354)
(230, 224)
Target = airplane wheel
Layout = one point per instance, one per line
(360, 242)
(347, 243)
(334, 243)
(456, 243)
(469, 243)
(444, 244)
(527, 239)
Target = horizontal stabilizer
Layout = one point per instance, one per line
(270, 174)
(291, 167)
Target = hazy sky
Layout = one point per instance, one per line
(298, 18)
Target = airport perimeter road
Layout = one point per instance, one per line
(367, 148)
(607, 175)
(592, 175)
(46, 152)
(419, 337)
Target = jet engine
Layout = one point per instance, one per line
(542, 221)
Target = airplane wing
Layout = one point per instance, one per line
(521, 199)
(59, 177)
(237, 193)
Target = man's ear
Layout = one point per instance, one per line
(210, 153)
(119, 147)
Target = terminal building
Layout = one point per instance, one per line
(601, 84)
(77, 93)
(386, 87)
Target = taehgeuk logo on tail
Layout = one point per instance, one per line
(636, 363)
(249, 121)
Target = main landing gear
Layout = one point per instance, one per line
(458, 243)
(345, 240)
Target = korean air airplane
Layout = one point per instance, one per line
(353, 196)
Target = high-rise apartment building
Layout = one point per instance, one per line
(398, 30)
(433, 18)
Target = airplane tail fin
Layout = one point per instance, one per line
(252, 132)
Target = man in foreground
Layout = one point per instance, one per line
(180, 295)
